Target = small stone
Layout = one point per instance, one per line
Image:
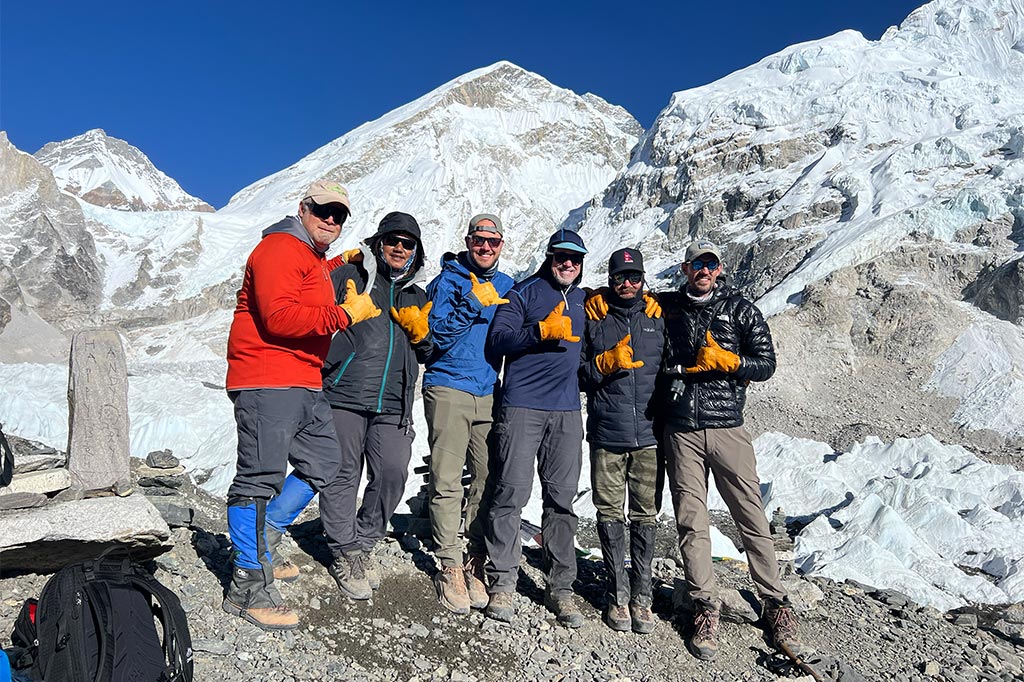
(162, 459)
(314, 604)
(930, 668)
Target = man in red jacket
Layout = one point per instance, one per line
(279, 337)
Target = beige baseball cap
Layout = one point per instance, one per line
(328, 192)
(700, 247)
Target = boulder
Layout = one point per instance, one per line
(162, 459)
(45, 539)
(45, 481)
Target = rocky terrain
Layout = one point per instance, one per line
(854, 632)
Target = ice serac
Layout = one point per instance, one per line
(863, 176)
(109, 172)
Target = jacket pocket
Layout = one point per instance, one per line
(344, 366)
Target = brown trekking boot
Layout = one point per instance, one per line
(704, 641)
(451, 589)
(565, 609)
(473, 573)
(782, 621)
(249, 598)
(284, 570)
(642, 618)
(617, 618)
(499, 607)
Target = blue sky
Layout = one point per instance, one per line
(220, 94)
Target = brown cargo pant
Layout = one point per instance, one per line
(727, 453)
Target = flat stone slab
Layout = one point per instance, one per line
(22, 500)
(38, 462)
(46, 481)
(45, 539)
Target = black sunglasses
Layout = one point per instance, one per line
(633, 277)
(562, 256)
(325, 211)
(699, 264)
(493, 242)
(408, 243)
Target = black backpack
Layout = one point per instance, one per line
(104, 620)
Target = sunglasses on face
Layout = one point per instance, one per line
(493, 242)
(559, 257)
(325, 211)
(699, 265)
(633, 277)
(394, 240)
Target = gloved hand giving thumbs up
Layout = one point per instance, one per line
(618, 357)
(712, 357)
(485, 294)
(556, 326)
(358, 306)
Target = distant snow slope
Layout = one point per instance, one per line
(106, 171)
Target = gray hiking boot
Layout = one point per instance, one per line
(704, 640)
(617, 618)
(371, 566)
(499, 607)
(565, 609)
(284, 570)
(249, 598)
(642, 618)
(349, 571)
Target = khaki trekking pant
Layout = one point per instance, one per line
(612, 471)
(728, 454)
(458, 427)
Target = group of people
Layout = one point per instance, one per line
(323, 360)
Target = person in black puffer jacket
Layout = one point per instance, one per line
(716, 343)
(619, 365)
(369, 378)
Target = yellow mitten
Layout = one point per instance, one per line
(358, 306)
(713, 357)
(652, 307)
(619, 356)
(596, 307)
(413, 321)
(485, 293)
(556, 326)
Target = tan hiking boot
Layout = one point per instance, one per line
(284, 570)
(782, 621)
(565, 609)
(451, 589)
(473, 573)
(617, 618)
(249, 598)
(704, 641)
(371, 566)
(642, 618)
(499, 607)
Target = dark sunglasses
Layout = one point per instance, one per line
(325, 211)
(493, 242)
(407, 243)
(562, 256)
(699, 264)
(633, 277)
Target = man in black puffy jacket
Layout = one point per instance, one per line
(369, 378)
(717, 342)
(618, 368)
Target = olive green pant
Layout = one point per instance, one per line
(459, 424)
(728, 453)
(612, 472)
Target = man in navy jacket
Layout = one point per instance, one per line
(538, 335)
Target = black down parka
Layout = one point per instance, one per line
(620, 406)
(371, 366)
(711, 400)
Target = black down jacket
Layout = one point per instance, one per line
(711, 400)
(620, 406)
(371, 366)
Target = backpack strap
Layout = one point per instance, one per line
(98, 593)
(177, 640)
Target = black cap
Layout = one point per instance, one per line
(625, 260)
(397, 221)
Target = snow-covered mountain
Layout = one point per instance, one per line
(106, 171)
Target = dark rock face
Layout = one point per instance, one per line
(1000, 291)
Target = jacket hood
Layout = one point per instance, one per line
(293, 226)
(396, 221)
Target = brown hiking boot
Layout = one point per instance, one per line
(704, 641)
(473, 573)
(565, 609)
(284, 570)
(782, 621)
(348, 570)
(249, 598)
(642, 618)
(451, 589)
(499, 607)
(617, 618)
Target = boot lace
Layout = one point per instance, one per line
(357, 566)
(783, 623)
(705, 626)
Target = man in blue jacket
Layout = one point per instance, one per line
(458, 402)
(537, 334)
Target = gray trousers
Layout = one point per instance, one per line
(459, 424)
(554, 441)
(727, 453)
(386, 447)
(277, 426)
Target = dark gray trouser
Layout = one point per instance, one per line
(555, 440)
(729, 454)
(386, 446)
(613, 471)
(459, 424)
(277, 426)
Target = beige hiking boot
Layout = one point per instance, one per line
(451, 589)
(473, 572)
(250, 599)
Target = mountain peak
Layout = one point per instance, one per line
(107, 171)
